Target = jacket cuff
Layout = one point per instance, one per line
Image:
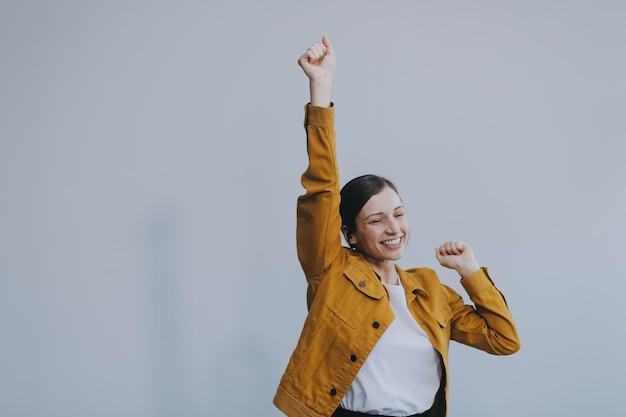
(319, 116)
(477, 282)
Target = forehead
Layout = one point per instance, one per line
(385, 201)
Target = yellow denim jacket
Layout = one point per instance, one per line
(348, 305)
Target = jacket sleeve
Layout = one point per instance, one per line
(488, 325)
(318, 221)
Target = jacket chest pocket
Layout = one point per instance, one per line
(435, 315)
(350, 305)
(443, 316)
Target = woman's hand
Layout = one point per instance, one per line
(458, 256)
(318, 63)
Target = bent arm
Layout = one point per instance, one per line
(488, 325)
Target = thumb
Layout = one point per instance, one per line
(327, 44)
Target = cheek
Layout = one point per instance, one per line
(372, 235)
(406, 228)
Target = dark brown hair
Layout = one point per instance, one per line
(356, 193)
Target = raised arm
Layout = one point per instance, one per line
(319, 223)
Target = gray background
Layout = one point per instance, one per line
(150, 157)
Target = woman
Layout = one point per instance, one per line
(375, 341)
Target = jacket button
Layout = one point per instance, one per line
(362, 284)
(333, 392)
(353, 358)
(376, 325)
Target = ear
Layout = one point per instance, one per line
(349, 237)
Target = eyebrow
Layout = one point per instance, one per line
(380, 212)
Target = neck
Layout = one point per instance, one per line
(387, 273)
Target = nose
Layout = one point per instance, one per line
(393, 226)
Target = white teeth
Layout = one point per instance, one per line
(392, 242)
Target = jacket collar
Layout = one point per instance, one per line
(363, 277)
(411, 284)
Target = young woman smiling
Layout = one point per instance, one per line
(376, 337)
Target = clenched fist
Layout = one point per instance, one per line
(458, 256)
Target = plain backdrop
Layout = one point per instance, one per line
(150, 161)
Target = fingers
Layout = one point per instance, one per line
(458, 256)
(451, 247)
(316, 52)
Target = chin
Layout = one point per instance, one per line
(396, 255)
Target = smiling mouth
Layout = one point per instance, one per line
(392, 241)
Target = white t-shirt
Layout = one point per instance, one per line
(402, 374)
